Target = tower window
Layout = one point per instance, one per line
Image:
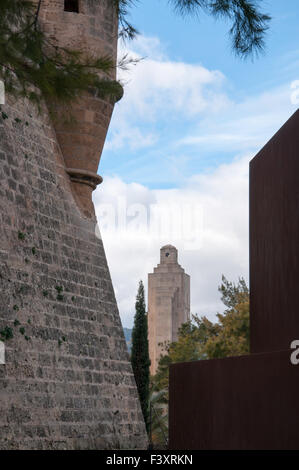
(166, 254)
(71, 5)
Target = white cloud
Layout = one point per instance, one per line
(158, 85)
(223, 195)
(179, 115)
(130, 135)
(145, 46)
(246, 125)
(192, 102)
(160, 88)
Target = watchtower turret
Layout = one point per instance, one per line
(90, 26)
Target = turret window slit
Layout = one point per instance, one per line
(71, 5)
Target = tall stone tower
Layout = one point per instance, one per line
(168, 302)
(67, 382)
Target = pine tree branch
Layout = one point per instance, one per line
(127, 30)
(29, 59)
(37, 14)
(249, 23)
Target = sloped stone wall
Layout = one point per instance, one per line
(67, 382)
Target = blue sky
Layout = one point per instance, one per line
(204, 42)
(192, 117)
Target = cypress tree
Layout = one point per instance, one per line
(140, 353)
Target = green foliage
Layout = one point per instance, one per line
(191, 346)
(32, 65)
(6, 333)
(233, 335)
(21, 236)
(249, 24)
(232, 339)
(158, 419)
(61, 340)
(203, 339)
(140, 353)
(127, 31)
(231, 294)
(59, 290)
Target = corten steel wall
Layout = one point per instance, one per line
(248, 402)
(274, 241)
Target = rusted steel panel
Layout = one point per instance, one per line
(248, 402)
(251, 402)
(274, 241)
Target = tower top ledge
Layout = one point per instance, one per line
(169, 247)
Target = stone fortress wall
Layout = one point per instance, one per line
(67, 382)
